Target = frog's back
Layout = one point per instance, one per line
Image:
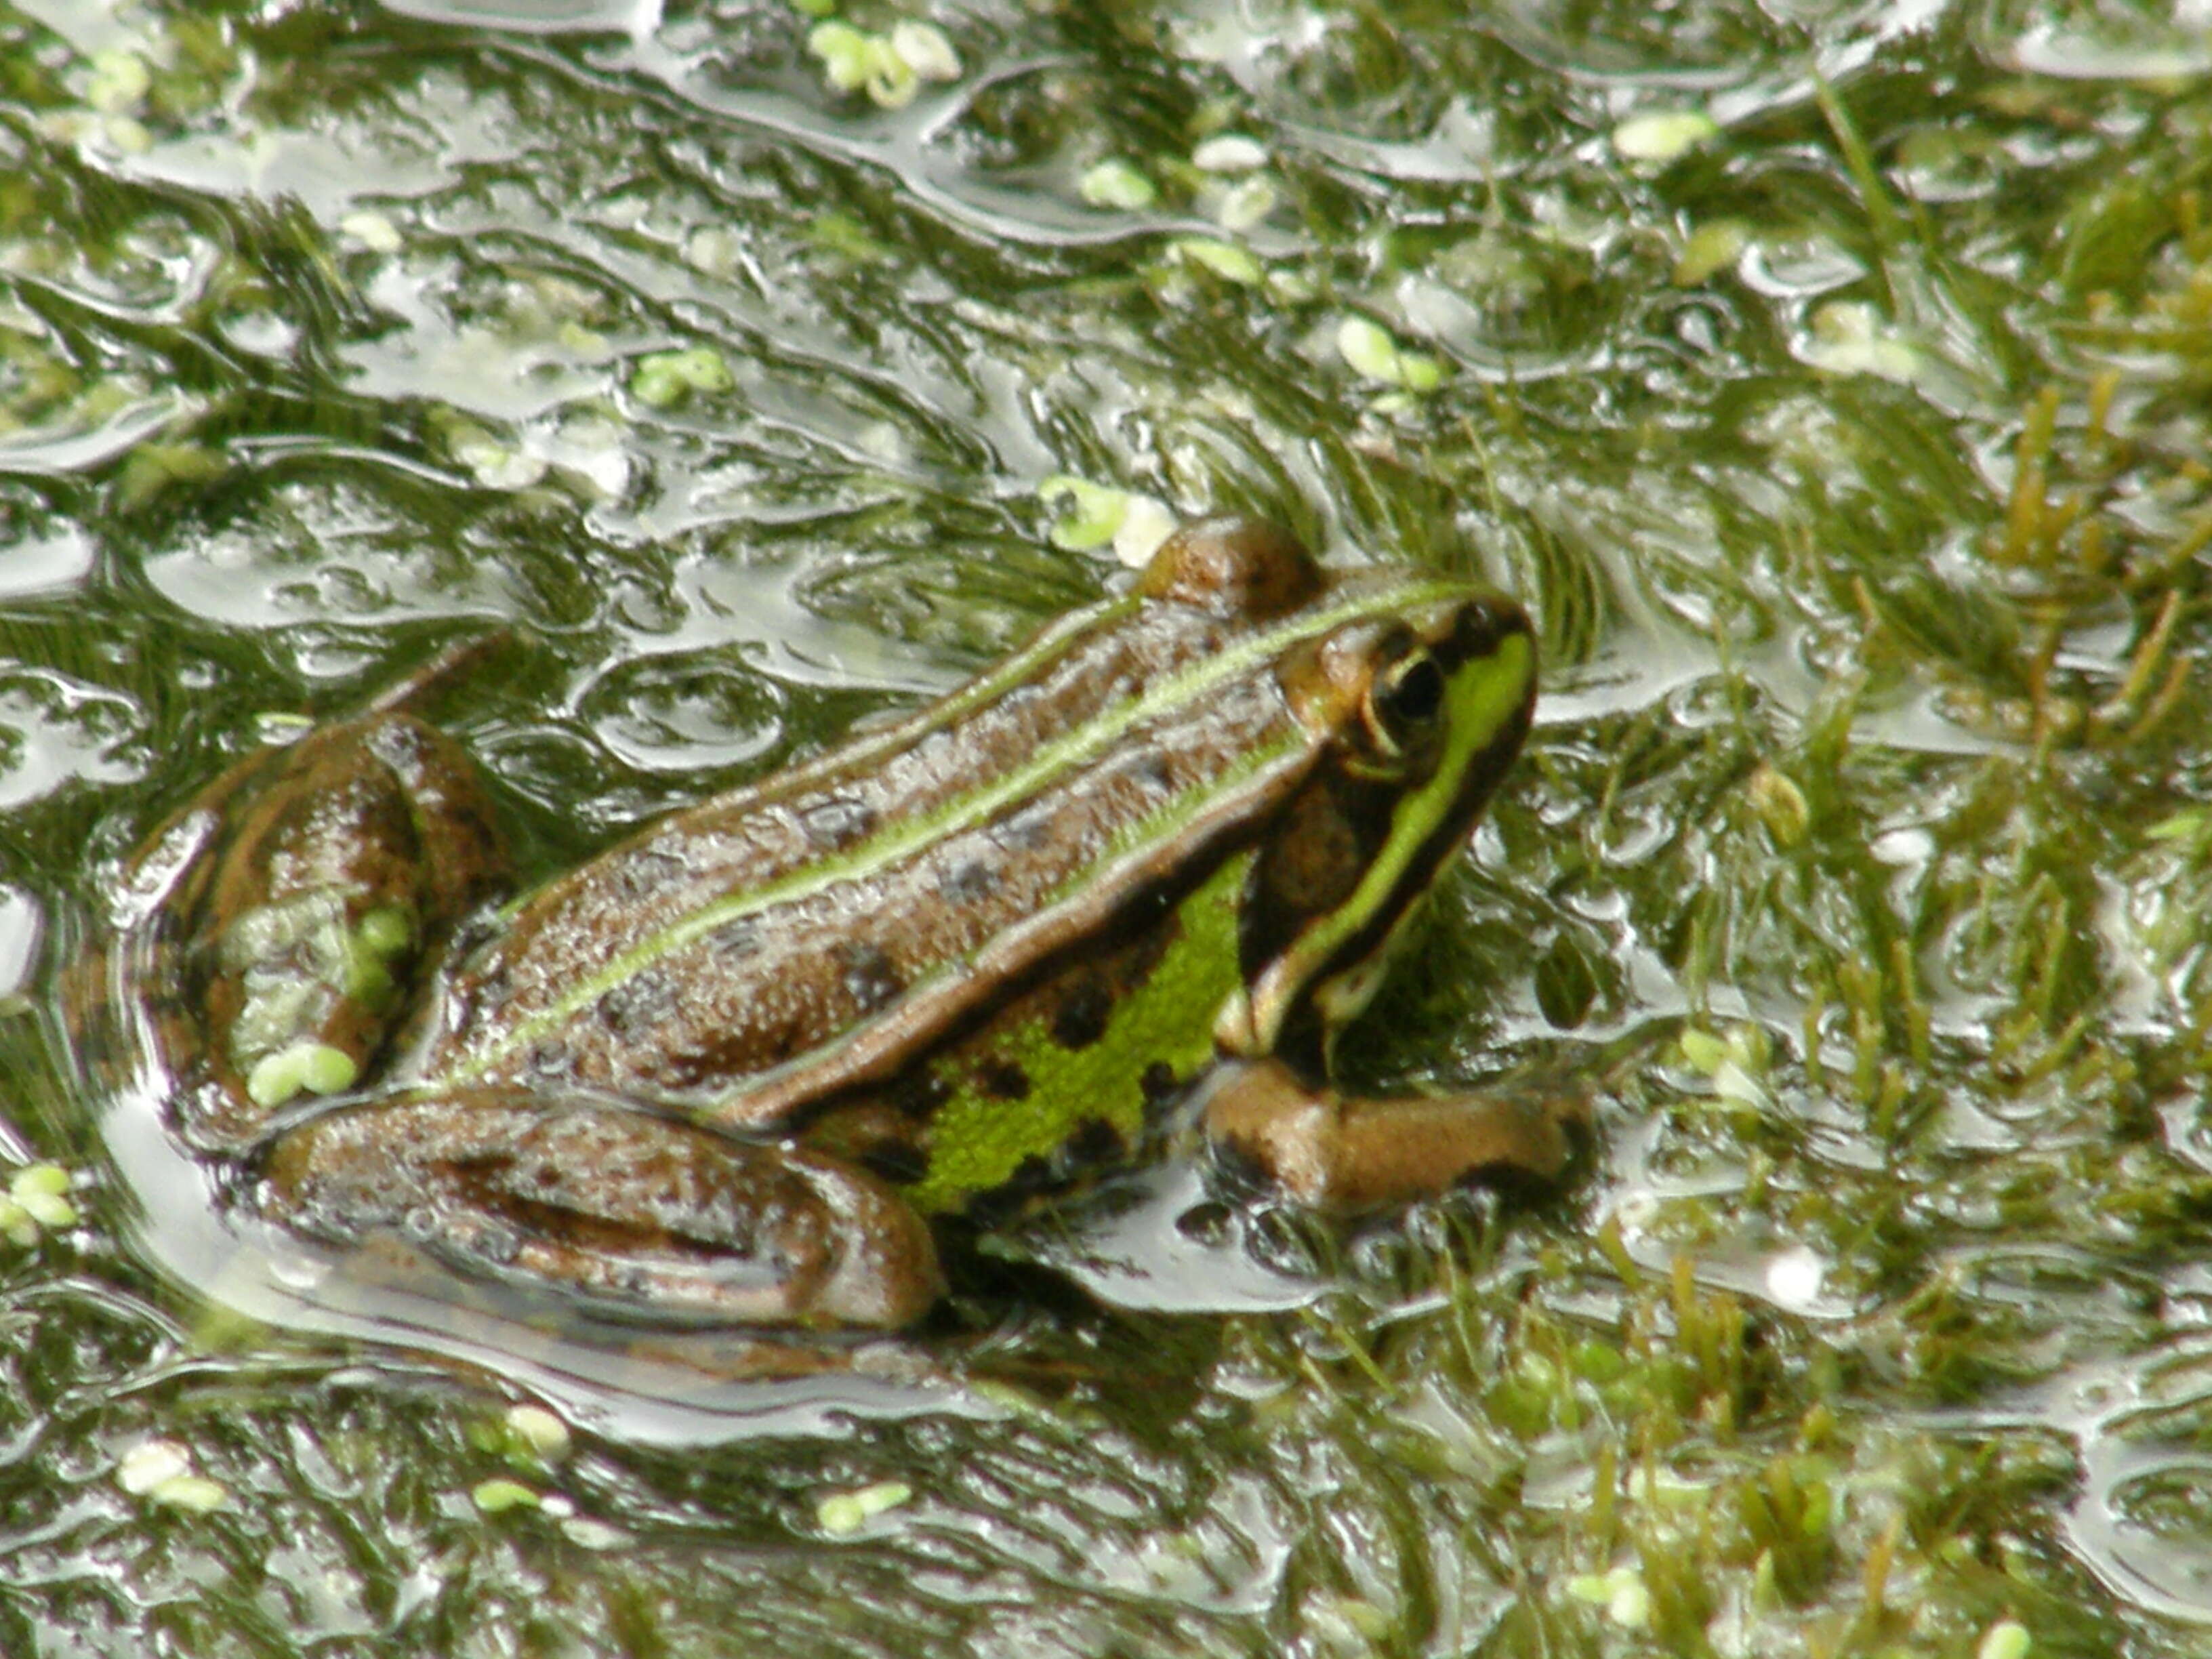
(793, 939)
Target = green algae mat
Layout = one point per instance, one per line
(1831, 382)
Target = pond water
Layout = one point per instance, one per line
(1830, 381)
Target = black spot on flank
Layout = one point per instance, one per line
(1002, 1079)
(1003, 1203)
(917, 1095)
(1094, 1142)
(836, 824)
(869, 978)
(1477, 632)
(971, 883)
(1083, 1015)
(1158, 1083)
(899, 1161)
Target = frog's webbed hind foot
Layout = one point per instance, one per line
(637, 1215)
(1358, 1154)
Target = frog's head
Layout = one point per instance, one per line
(1414, 692)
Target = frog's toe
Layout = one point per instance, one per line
(638, 1214)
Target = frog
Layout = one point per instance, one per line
(1112, 900)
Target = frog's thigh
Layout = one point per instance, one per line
(1356, 1154)
(657, 1217)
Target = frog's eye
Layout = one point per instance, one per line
(1405, 701)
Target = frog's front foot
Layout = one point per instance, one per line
(1352, 1154)
(639, 1215)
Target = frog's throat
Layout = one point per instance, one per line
(1170, 694)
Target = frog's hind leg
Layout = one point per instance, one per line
(636, 1215)
(1352, 1154)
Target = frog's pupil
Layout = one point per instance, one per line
(1417, 695)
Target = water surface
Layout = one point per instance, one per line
(1829, 378)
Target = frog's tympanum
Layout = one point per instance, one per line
(1135, 877)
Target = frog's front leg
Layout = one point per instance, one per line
(1351, 1154)
(640, 1215)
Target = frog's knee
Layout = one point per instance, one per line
(317, 879)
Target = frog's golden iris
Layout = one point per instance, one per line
(729, 1068)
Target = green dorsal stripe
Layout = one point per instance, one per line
(873, 1048)
(901, 840)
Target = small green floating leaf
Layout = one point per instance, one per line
(39, 1180)
(150, 1462)
(40, 1193)
(386, 930)
(1144, 526)
(1419, 372)
(372, 230)
(703, 369)
(194, 1493)
(1228, 151)
(496, 1496)
(927, 50)
(1116, 184)
(847, 54)
(16, 1226)
(664, 378)
(844, 1513)
(1704, 1051)
(275, 1078)
(1088, 514)
(127, 134)
(1663, 135)
(586, 1532)
(119, 81)
(154, 468)
(1224, 259)
(1713, 247)
(539, 1431)
(1850, 337)
(1374, 353)
(328, 1071)
(2006, 1639)
(1621, 1592)
(1245, 204)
